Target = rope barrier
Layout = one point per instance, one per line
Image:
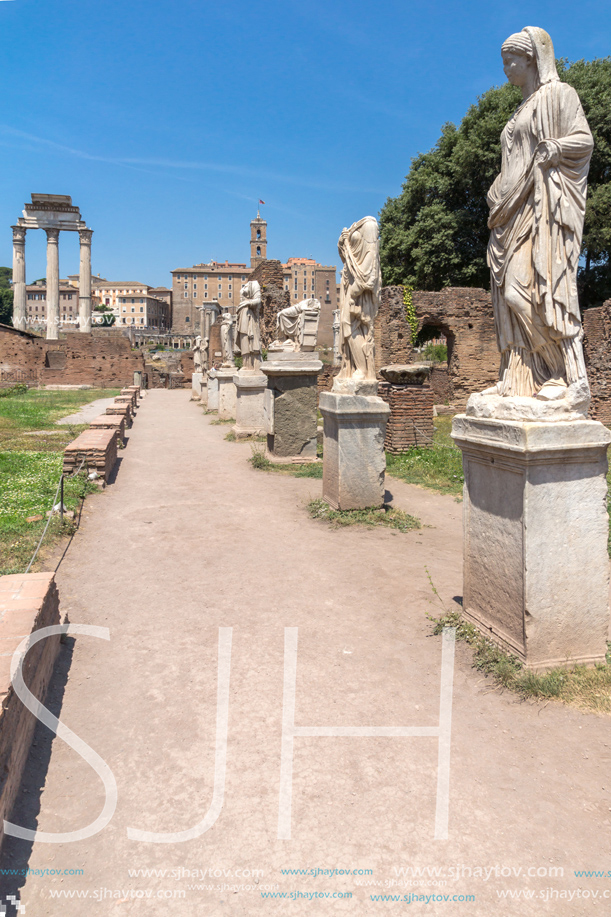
(60, 486)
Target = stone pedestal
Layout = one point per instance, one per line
(290, 407)
(196, 386)
(536, 569)
(250, 390)
(227, 392)
(354, 462)
(213, 391)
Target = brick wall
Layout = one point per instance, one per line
(326, 377)
(27, 603)
(464, 315)
(440, 383)
(411, 415)
(597, 349)
(270, 275)
(103, 358)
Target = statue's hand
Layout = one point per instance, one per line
(547, 154)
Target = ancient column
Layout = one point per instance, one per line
(19, 293)
(52, 284)
(84, 298)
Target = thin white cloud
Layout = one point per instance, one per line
(141, 164)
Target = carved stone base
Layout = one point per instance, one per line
(227, 393)
(196, 386)
(354, 462)
(536, 570)
(250, 403)
(213, 390)
(291, 407)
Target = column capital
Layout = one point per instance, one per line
(19, 233)
(52, 235)
(85, 236)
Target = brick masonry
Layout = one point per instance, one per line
(411, 415)
(103, 358)
(274, 297)
(464, 315)
(597, 349)
(98, 447)
(27, 603)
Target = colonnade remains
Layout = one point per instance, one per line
(53, 213)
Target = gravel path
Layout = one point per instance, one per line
(191, 539)
(88, 412)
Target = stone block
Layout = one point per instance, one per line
(354, 462)
(213, 390)
(98, 447)
(196, 386)
(28, 601)
(291, 407)
(250, 390)
(536, 569)
(227, 393)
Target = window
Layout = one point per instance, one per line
(195, 295)
(186, 284)
(133, 300)
(258, 233)
(187, 319)
(29, 295)
(220, 286)
(230, 277)
(243, 276)
(107, 301)
(142, 321)
(205, 276)
(133, 309)
(229, 295)
(220, 296)
(195, 286)
(205, 296)
(141, 301)
(186, 294)
(142, 308)
(133, 321)
(124, 309)
(258, 251)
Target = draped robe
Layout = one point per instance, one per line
(536, 222)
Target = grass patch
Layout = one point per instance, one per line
(579, 686)
(30, 467)
(232, 438)
(39, 409)
(259, 460)
(438, 468)
(220, 420)
(387, 516)
(28, 482)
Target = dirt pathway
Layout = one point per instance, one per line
(191, 539)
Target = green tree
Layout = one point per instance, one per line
(6, 296)
(434, 234)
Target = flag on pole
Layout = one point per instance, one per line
(260, 201)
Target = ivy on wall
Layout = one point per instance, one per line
(410, 312)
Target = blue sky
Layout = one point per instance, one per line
(167, 120)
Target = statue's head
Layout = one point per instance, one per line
(528, 51)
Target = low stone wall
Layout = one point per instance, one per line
(28, 601)
(97, 447)
(411, 415)
(103, 358)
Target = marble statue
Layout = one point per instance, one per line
(298, 326)
(248, 332)
(537, 208)
(227, 344)
(361, 281)
(197, 355)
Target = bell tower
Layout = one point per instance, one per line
(258, 241)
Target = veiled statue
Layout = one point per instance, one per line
(248, 332)
(537, 208)
(227, 345)
(297, 326)
(197, 355)
(359, 298)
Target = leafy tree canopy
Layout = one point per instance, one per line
(6, 296)
(434, 234)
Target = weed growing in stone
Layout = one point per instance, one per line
(438, 467)
(386, 516)
(220, 420)
(579, 686)
(259, 460)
